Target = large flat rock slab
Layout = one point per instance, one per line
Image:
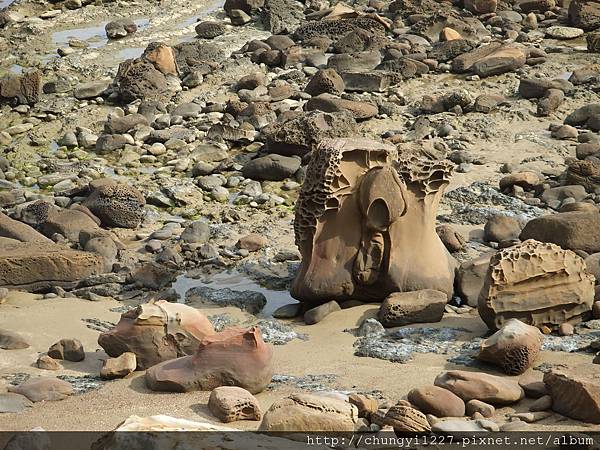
(37, 266)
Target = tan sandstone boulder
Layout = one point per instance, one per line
(480, 386)
(537, 283)
(37, 266)
(232, 403)
(43, 389)
(157, 332)
(513, 347)
(234, 357)
(309, 412)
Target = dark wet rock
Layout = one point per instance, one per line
(250, 301)
(325, 81)
(282, 16)
(67, 349)
(239, 17)
(300, 135)
(153, 275)
(318, 313)
(197, 232)
(247, 6)
(287, 311)
(92, 89)
(120, 28)
(23, 89)
(272, 167)
(585, 14)
(210, 29)
(116, 205)
(335, 28)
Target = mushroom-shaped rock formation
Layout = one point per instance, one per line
(157, 332)
(234, 357)
(513, 347)
(365, 223)
(537, 283)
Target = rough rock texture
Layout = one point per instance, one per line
(234, 357)
(575, 392)
(157, 332)
(537, 283)
(330, 103)
(470, 277)
(232, 403)
(571, 230)
(372, 199)
(117, 205)
(513, 347)
(43, 389)
(403, 308)
(585, 173)
(119, 367)
(140, 79)
(23, 89)
(302, 134)
(437, 401)
(404, 419)
(309, 412)
(585, 14)
(480, 386)
(326, 81)
(282, 16)
(67, 349)
(336, 28)
(37, 267)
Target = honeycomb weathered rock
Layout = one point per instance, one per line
(537, 283)
(232, 403)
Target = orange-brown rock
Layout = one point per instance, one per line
(575, 392)
(157, 332)
(514, 347)
(537, 283)
(310, 412)
(163, 58)
(234, 357)
(437, 401)
(358, 216)
(480, 386)
(403, 419)
(449, 34)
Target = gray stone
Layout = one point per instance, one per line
(317, 314)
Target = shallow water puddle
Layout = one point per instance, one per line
(5, 3)
(237, 282)
(95, 35)
(130, 53)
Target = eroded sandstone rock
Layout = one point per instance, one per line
(537, 283)
(309, 412)
(513, 347)
(404, 419)
(37, 267)
(23, 89)
(232, 403)
(403, 308)
(356, 219)
(575, 392)
(43, 389)
(234, 357)
(117, 205)
(157, 332)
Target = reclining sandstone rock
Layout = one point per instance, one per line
(537, 283)
(365, 223)
(157, 332)
(234, 357)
